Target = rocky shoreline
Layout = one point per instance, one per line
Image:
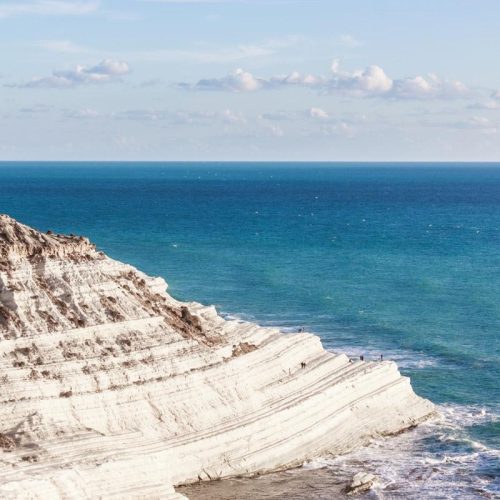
(111, 387)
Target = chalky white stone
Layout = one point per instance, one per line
(111, 388)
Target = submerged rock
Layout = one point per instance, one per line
(362, 481)
(111, 387)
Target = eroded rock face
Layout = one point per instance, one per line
(111, 387)
(7, 443)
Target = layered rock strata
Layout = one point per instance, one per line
(112, 388)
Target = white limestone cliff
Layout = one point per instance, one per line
(111, 388)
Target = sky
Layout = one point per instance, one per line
(305, 80)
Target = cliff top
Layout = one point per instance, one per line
(18, 239)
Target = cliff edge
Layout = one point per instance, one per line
(111, 388)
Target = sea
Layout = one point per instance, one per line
(401, 260)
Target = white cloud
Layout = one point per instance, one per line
(229, 116)
(106, 71)
(295, 78)
(369, 82)
(374, 81)
(244, 81)
(48, 8)
(110, 67)
(318, 113)
(496, 94)
(420, 87)
(238, 81)
(416, 86)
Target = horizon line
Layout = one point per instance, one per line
(329, 162)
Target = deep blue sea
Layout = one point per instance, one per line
(400, 260)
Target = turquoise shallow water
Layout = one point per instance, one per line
(402, 260)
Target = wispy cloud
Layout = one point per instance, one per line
(208, 56)
(340, 129)
(84, 114)
(216, 55)
(106, 71)
(490, 105)
(479, 124)
(181, 117)
(372, 81)
(279, 116)
(36, 109)
(191, 1)
(48, 8)
(152, 82)
(202, 53)
(213, 1)
(274, 129)
(62, 46)
(165, 116)
(312, 122)
(349, 41)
